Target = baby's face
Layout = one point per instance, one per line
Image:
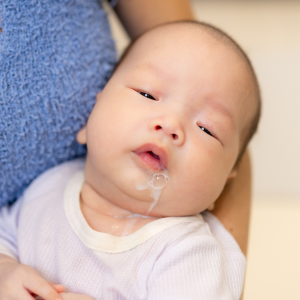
(172, 108)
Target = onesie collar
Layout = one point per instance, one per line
(105, 242)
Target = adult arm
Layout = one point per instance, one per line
(137, 16)
(233, 206)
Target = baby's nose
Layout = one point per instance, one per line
(171, 128)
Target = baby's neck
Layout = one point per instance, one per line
(104, 216)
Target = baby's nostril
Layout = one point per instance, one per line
(175, 136)
(157, 127)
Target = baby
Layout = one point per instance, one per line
(164, 137)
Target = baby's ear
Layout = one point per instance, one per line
(81, 136)
(211, 207)
(98, 95)
(232, 175)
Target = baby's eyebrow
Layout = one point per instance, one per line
(157, 71)
(222, 109)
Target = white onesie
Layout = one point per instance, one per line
(173, 258)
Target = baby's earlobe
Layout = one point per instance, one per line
(232, 174)
(211, 207)
(81, 136)
(98, 95)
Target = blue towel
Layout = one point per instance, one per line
(55, 55)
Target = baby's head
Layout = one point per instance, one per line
(183, 102)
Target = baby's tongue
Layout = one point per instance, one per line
(151, 160)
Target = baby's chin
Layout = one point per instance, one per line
(155, 194)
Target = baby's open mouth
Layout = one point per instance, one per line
(152, 156)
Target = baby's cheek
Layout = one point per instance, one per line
(205, 176)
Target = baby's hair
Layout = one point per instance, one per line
(225, 39)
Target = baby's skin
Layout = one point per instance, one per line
(178, 104)
(21, 282)
(173, 108)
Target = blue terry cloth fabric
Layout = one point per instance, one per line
(55, 55)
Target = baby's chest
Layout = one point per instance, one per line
(61, 257)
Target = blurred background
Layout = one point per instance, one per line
(269, 31)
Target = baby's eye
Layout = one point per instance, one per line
(147, 95)
(205, 130)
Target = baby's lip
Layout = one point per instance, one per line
(153, 156)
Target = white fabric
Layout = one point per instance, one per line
(171, 258)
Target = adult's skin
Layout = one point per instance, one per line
(233, 206)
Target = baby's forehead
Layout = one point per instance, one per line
(179, 44)
(185, 41)
(185, 33)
